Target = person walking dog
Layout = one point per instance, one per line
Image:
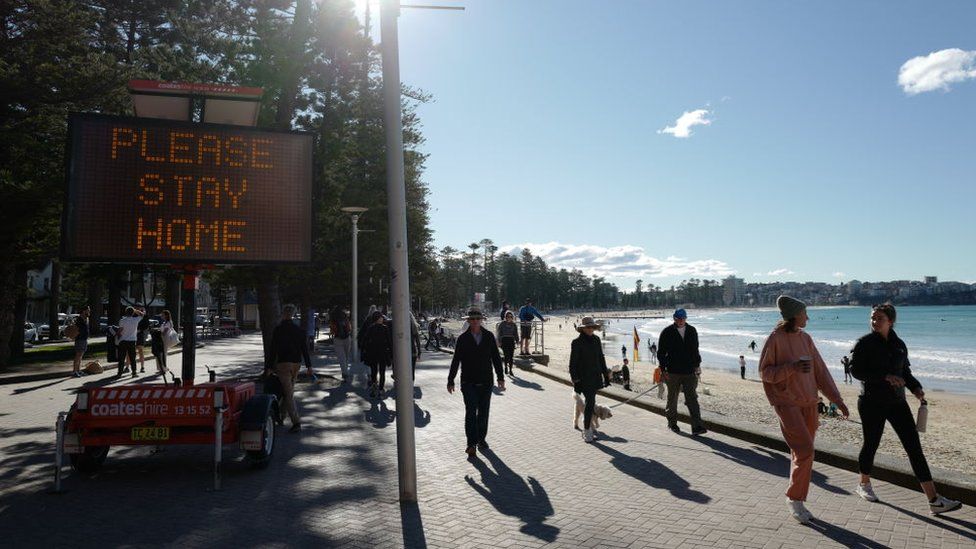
(792, 371)
(588, 370)
(476, 352)
(880, 362)
(677, 352)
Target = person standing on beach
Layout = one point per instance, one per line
(742, 366)
(880, 361)
(506, 307)
(677, 351)
(526, 314)
(507, 331)
(653, 350)
(476, 352)
(588, 370)
(846, 362)
(623, 351)
(753, 346)
(792, 371)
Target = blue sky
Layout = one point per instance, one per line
(817, 164)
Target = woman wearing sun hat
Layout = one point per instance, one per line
(588, 369)
(792, 371)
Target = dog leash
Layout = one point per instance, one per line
(655, 386)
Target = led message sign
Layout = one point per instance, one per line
(145, 190)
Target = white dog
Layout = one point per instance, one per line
(599, 412)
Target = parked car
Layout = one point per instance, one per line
(64, 320)
(30, 332)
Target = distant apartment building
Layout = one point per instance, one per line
(734, 291)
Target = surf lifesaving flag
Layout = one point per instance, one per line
(636, 345)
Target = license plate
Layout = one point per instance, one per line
(150, 433)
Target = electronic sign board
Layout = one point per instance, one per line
(144, 190)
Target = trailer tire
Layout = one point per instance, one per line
(89, 461)
(261, 458)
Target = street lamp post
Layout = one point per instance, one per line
(399, 287)
(354, 213)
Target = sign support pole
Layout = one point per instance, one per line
(399, 272)
(189, 305)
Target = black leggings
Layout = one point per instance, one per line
(508, 348)
(589, 396)
(127, 349)
(874, 413)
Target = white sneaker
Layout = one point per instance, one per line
(943, 505)
(588, 435)
(866, 492)
(799, 512)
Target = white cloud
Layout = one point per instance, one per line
(839, 274)
(620, 261)
(682, 126)
(775, 272)
(937, 70)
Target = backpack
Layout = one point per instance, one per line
(343, 329)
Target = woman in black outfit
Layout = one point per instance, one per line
(377, 351)
(588, 370)
(507, 334)
(880, 361)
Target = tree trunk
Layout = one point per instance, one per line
(239, 305)
(20, 316)
(53, 325)
(115, 298)
(94, 298)
(269, 303)
(12, 286)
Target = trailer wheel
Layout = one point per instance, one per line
(260, 458)
(89, 461)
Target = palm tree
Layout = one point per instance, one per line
(474, 248)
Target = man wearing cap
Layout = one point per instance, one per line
(588, 370)
(526, 313)
(476, 352)
(677, 352)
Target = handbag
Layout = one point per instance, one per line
(170, 337)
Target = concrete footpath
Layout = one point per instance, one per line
(335, 484)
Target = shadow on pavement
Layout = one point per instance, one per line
(512, 495)
(413, 526)
(765, 460)
(653, 474)
(517, 381)
(379, 415)
(421, 418)
(940, 522)
(844, 536)
(23, 390)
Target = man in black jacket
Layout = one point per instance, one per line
(477, 354)
(288, 348)
(677, 352)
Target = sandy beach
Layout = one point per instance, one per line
(949, 443)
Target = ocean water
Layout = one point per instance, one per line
(941, 340)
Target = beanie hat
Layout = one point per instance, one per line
(789, 307)
(680, 313)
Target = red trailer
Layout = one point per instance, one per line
(155, 414)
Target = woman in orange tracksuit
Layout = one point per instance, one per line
(792, 371)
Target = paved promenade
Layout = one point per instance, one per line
(334, 485)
